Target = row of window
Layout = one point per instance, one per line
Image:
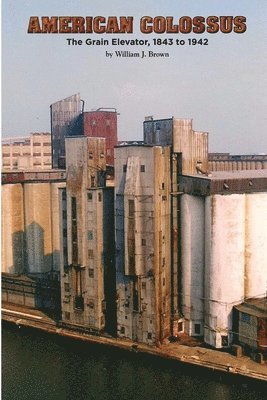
(90, 196)
(142, 168)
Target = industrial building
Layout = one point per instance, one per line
(24, 153)
(69, 119)
(223, 249)
(31, 236)
(174, 248)
(142, 215)
(87, 214)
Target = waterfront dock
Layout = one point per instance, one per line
(210, 359)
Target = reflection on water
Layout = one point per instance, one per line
(37, 366)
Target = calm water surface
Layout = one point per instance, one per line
(41, 367)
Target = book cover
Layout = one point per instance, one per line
(166, 256)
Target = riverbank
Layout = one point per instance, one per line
(210, 359)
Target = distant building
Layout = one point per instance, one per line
(24, 153)
(88, 270)
(142, 215)
(228, 162)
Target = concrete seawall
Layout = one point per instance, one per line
(212, 360)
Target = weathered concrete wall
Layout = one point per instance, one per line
(12, 229)
(233, 266)
(83, 283)
(193, 262)
(30, 226)
(178, 133)
(37, 200)
(256, 245)
(142, 213)
(224, 264)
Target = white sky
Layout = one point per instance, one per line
(222, 87)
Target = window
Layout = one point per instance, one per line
(89, 196)
(164, 198)
(74, 231)
(135, 296)
(163, 282)
(142, 168)
(149, 336)
(99, 197)
(197, 329)
(122, 330)
(157, 126)
(91, 272)
(180, 326)
(144, 285)
(124, 168)
(91, 304)
(66, 287)
(92, 181)
(143, 242)
(131, 208)
(90, 235)
(162, 186)
(224, 340)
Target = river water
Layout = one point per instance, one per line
(37, 366)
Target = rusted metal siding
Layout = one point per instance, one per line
(33, 176)
(226, 184)
(65, 121)
(102, 124)
(158, 132)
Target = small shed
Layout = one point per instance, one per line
(251, 324)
